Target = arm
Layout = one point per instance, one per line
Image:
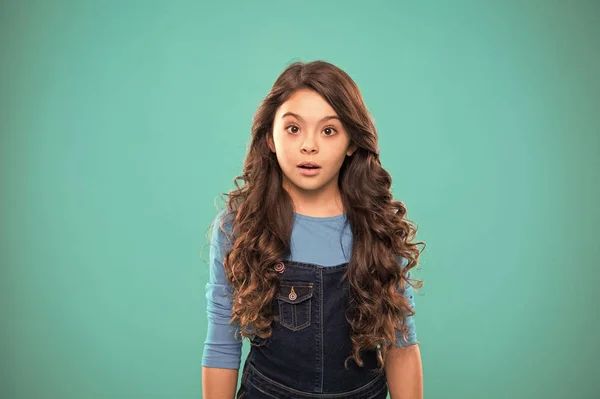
(218, 383)
(222, 352)
(404, 372)
(403, 366)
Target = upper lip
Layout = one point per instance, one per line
(310, 163)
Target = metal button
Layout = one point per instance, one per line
(279, 267)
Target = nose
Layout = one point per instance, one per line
(308, 147)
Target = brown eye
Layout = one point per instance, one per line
(292, 126)
(329, 129)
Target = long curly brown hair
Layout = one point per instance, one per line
(261, 216)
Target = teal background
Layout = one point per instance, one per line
(122, 122)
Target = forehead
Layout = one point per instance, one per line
(308, 104)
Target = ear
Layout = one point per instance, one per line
(351, 149)
(270, 143)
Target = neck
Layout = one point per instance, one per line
(325, 202)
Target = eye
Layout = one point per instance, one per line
(330, 129)
(292, 126)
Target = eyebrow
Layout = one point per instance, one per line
(300, 118)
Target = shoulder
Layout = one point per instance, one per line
(222, 228)
(223, 217)
(403, 261)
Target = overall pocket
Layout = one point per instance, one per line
(294, 298)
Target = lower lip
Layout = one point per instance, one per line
(309, 172)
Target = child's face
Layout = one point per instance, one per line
(309, 136)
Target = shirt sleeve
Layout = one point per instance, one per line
(221, 349)
(411, 336)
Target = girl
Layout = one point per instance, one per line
(311, 258)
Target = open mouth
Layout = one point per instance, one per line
(309, 170)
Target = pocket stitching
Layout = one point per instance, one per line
(301, 298)
(304, 303)
(291, 326)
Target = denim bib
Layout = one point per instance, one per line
(304, 356)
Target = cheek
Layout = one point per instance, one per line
(283, 146)
(281, 142)
(283, 159)
(337, 158)
(284, 155)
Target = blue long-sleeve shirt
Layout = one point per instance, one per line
(325, 241)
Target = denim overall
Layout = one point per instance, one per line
(304, 356)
